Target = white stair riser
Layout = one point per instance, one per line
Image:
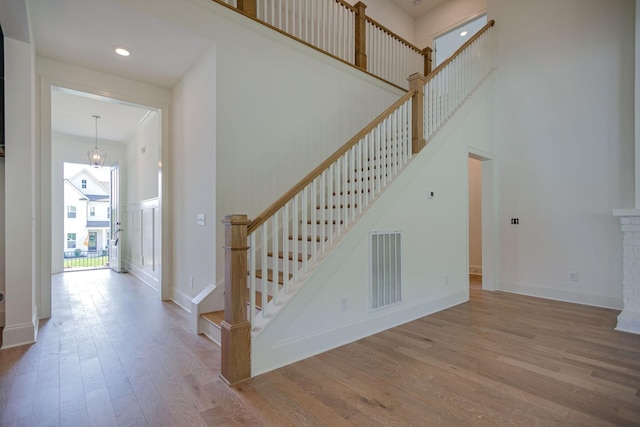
(210, 330)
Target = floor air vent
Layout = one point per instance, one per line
(385, 254)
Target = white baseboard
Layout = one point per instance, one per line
(567, 295)
(143, 275)
(182, 299)
(283, 352)
(475, 269)
(629, 321)
(17, 335)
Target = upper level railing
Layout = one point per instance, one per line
(342, 31)
(266, 257)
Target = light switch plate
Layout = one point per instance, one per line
(200, 219)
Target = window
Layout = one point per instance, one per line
(84, 183)
(71, 240)
(92, 211)
(71, 211)
(108, 211)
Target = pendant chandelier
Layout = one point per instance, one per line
(96, 157)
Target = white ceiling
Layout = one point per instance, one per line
(418, 8)
(72, 114)
(85, 32)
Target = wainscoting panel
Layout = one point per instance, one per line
(143, 255)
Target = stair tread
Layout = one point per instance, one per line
(270, 276)
(291, 254)
(326, 222)
(309, 238)
(215, 317)
(355, 205)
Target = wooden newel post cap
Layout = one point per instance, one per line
(236, 219)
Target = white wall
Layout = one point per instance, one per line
(70, 149)
(434, 261)
(20, 217)
(142, 219)
(194, 179)
(287, 118)
(2, 236)
(391, 16)
(475, 216)
(143, 155)
(445, 17)
(563, 124)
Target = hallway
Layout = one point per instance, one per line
(114, 355)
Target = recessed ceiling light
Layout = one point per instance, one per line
(121, 51)
(464, 33)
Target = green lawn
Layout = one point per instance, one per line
(86, 262)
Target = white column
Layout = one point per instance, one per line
(21, 319)
(629, 319)
(637, 107)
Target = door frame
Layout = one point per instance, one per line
(489, 218)
(97, 84)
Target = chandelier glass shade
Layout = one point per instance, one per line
(96, 157)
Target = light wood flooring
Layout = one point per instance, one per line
(114, 355)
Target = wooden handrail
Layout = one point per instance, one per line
(436, 70)
(347, 5)
(278, 204)
(395, 36)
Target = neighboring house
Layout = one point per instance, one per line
(86, 216)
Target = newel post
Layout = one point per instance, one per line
(361, 35)
(248, 7)
(235, 329)
(427, 53)
(417, 82)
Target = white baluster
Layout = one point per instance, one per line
(294, 240)
(314, 220)
(252, 278)
(332, 191)
(324, 200)
(303, 237)
(275, 237)
(263, 267)
(285, 249)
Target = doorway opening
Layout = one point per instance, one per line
(447, 43)
(482, 244)
(475, 223)
(86, 217)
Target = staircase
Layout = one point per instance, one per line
(270, 258)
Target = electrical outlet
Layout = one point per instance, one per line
(573, 276)
(344, 304)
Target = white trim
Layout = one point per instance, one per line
(143, 276)
(475, 270)
(17, 335)
(629, 321)
(182, 299)
(566, 295)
